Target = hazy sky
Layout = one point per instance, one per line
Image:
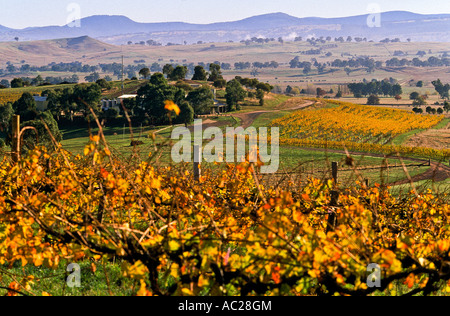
(24, 13)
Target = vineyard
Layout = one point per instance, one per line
(357, 128)
(14, 94)
(355, 123)
(226, 234)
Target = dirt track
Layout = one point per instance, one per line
(290, 105)
(437, 172)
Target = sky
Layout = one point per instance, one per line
(25, 13)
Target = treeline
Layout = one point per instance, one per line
(416, 62)
(75, 66)
(37, 81)
(375, 87)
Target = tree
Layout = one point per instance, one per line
(396, 90)
(260, 96)
(168, 70)
(17, 83)
(446, 106)
(200, 73)
(307, 68)
(398, 97)
(201, 100)
(5, 83)
(179, 73)
(440, 111)
(155, 67)
(37, 81)
(186, 116)
(151, 98)
(373, 100)
(44, 137)
(144, 72)
(158, 79)
(25, 107)
(234, 94)
(103, 84)
(320, 92)
(215, 72)
(6, 114)
(414, 95)
(93, 77)
(419, 101)
(87, 96)
(442, 89)
(220, 83)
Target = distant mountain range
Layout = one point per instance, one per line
(121, 30)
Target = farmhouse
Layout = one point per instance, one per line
(107, 104)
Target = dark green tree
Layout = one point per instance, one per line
(25, 107)
(167, 70)
(17, 83)
(150, 100)
(414, 95)
(44, 137)
(200, 74)
(442, 89)
(373, 100)
(144, 72)
(235, 93)
(260, 96)
(186, 113)
(104, 84)
(215, 72)
(179, 73)
(201, 100)
(87, 96)
(158, 79)
(447, 106)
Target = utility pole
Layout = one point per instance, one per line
(122, 75)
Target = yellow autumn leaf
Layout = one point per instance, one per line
(170, 106)
(137, 271)
(202, 281)
(174, 245)
(187, 292)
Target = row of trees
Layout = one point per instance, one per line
(37, 81)
(375, 87)
(416, 62)
(75, 66)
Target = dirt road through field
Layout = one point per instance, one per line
(293, 104)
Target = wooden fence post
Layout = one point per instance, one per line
(332, 218)
(334, 171)
(197, 162)
(15, 150)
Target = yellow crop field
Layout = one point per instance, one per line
(7, 95)
(355, 123)
(356, 128)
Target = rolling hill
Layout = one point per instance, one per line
(120, 29)
(45, 51)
